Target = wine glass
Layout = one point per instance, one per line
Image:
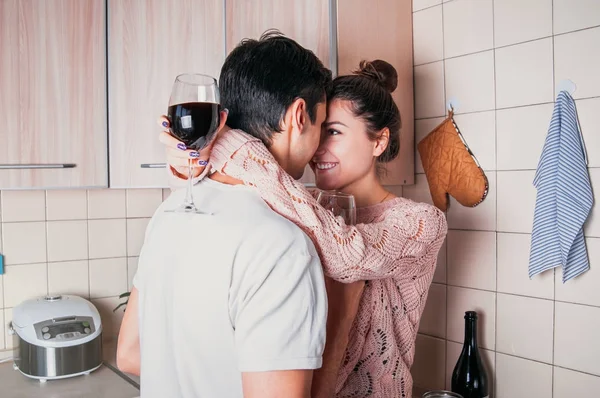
(340, 204)
(194, 111)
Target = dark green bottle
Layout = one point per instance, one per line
(469, 378)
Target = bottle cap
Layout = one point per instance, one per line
(470, 315)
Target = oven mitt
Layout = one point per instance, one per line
(451, 167)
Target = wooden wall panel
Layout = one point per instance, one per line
(150, 43)
(383, 30)
(53, 92)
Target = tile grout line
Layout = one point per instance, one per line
(554, 270)
(47, 235)
(493, 376)
(446, 245)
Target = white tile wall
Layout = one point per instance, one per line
(524, 74)
(433, 321)
(520, 135)
(501, 62)
(468, 27)
(66, 205)
(71, 242)
(589, 119)
(521, 378)
(513, 276)
(470, 79)
(533, 17)
(576, 337)
(568, 383)
(428, 36)
(524, 327)
(572, 15)
(429, 90)
(422, 4)
(429, 367)
(471, 259)
(576, 54)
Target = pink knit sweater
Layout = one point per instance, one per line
(394, 248)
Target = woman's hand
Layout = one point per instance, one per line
(179, 157)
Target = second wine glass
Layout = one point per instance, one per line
(194, 111)
(340, 204)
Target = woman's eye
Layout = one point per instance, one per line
(333, 132)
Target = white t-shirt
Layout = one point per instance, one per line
(241, 290)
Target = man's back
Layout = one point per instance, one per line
(240, 290)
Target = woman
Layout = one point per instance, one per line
(393, 248)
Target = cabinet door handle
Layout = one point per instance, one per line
(21, 166)
(153, 165)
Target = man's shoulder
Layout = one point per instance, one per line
(278, 233)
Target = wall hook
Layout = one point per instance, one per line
(452, 104)
(566, 85)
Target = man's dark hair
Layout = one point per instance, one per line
(260, 79)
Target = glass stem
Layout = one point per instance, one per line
(189, 201)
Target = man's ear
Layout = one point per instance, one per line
(297, 114)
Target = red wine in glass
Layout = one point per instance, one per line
(194, 123)
(194, 112)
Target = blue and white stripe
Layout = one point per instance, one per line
(564, 196)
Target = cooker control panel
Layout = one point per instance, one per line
(65, 328)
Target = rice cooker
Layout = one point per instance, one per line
(56, 337)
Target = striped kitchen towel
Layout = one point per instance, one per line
(564, 196)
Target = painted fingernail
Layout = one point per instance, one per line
(181, 146)
(194, 154)
(165, 124)
(226, 111)
(202, 162)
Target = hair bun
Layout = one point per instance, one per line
(380, 71)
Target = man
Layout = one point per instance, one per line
(247, 319)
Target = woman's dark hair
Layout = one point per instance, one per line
(261, 78)
(369, 92)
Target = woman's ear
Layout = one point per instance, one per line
(382, 142)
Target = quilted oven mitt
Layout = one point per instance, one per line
(451, 167)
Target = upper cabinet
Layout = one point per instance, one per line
(368, 30)
(150, 42)
(307, 22)
(53, 94)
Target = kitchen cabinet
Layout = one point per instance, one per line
(307, 22)
(53, 94)
(150, 42)
(383, 30)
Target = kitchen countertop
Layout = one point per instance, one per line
(106, 382)
(110, 359)
(102, 383)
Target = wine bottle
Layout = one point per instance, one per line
(469, 378)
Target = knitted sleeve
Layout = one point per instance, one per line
(405, 241)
